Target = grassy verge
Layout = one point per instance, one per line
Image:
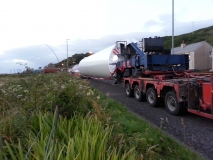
(148, 141)
(88, 124)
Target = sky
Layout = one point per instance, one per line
(36, 33)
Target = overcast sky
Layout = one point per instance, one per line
(28, 27)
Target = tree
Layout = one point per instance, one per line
(75, 59)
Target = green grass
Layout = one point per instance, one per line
(90, 125)
(77, 138)
(147, 140)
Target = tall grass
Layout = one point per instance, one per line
(75, 138)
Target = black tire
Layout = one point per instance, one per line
(151, 97)
(129, 91)
(172, 105)
(138, 94)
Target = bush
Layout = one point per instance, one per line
(41, 93)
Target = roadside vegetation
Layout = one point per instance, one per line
(58, 116)
(204, 34)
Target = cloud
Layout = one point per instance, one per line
(150, 24)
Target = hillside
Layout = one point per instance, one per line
(205, 34)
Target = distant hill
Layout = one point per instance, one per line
(205, 34)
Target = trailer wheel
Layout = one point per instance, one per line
(172, 104)
(151, 97)
(129, 91)
(138, 94)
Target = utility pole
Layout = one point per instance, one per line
(67, 52)
(172, 26)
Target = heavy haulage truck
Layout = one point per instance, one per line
(152, 73)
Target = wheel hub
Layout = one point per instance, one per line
(137, 94)
(171, 103)
(127, 90)
(151, 97)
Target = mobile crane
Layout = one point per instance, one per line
(152, 73)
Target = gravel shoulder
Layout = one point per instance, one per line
(194, 131)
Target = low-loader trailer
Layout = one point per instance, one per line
(149, 72)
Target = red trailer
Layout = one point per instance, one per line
(51, 70)
(180, 92)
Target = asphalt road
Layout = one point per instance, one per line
(194, 131)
